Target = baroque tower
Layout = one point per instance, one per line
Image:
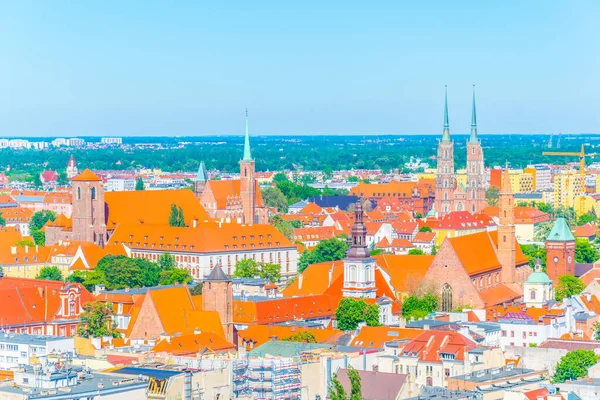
(445, 182)
(89, 214)
(506, 231)
(217, 295)
(359, 267)
(247, 181)
(476, 178)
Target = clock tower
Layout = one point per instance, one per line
(560, 250)
(359, 267)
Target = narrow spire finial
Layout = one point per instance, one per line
(446, 133)
(473, 137)
(247, 155)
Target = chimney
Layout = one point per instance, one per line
(330, 276)
(300, 279)
(37, 248)
(26, 249)
(194, 223)
(13, 249)
(127, 290)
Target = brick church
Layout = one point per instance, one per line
(449, 195)
(238, 200)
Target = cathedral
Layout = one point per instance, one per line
(449, 195)
(237, 200)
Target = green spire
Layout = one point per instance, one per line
(446, 134)
(473, 137)
(202, 175)
(247, 156)
(560, 232)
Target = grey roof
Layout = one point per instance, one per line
(28, 199)
(150, 372)
(342, 202)
(217, 274)
(441, 393)
(299, 204)
(143, 290)
(582, 268)
(375, 385)
(432, 323)
(23, 338)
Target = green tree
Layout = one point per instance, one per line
(302, 337)
(39, 237)
(574, 365)
(120, 272)
(89, 279)
(596, 331)
(270, 272)
(2, 219)
(175, 275)
(492, 195)
(25, 243)
(176, 217)
(96, 321)
(327, 250)
(139, 184)
(273, 197)
(336, 389)
(532, 252)
(585, 252)
(37, 181)
(355, 384)
(586, 219)
(419, 306)
(433, 250)
(285, 227)
(50, 274)
(351, 312)
(196, 290)
(541, 231)
(425, 228)
(418, 215)
(415, 252)
(568, 286)
(544, 207)
(39, 219)
(246, 268)
(279, 177)
(166, 261)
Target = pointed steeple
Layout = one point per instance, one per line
(446, 134)
(506, 186)
(202, 175)
(247, 155)
(473, 137)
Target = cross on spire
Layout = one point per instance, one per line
(446, 134)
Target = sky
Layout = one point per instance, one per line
(128, 68)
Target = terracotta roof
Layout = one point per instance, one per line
(570, 345)
(476, 262)
(537, 394)
(311, 209)
(375, 337)
(315, 279)
(87, 176)
(406, 271)
(24, 255)
(461, 220)
(282, 310)
(376, 385)
(49, 176)
(393, 189)
(194, 343)
(223, 189)
(498, 295)
(586, 231)
(260, 334)
(313, 233)
(429, 346)
(9, 236)
(424, 237)
(405, 227)
(520, 258)
(16, 214)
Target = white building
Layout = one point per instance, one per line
(39, 145)
(519, 329)
(75, 142)
(18, 144)
(60, 142)
(119, 184)
(3, 143)
(17, 348)
(111, 140)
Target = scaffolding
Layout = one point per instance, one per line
(267, 379)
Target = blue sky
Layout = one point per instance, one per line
(191, 67)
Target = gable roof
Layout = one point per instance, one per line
(315, 279)
(194, 343)
(87, 176)
(429, 345)
(223, 189)
(375, 385)
(405, 271)
(375, 337)
(475, 262)
(560, 232)
(260, 334)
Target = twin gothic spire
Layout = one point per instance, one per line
(446, 132)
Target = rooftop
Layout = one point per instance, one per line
(23, 338)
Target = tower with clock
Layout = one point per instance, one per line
(359, 267)
(560, 250)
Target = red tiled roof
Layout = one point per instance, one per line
(87, 176)
(586, 231)
(431, 344)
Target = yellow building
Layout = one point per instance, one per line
(588, 204)
(533, 173)
(567, 185)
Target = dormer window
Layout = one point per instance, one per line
(243, 237)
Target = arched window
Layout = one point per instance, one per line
(446, 298)
(78, 193)
(353, 273)
(368, 274)
(504, 214)
(504, 239)
(472, 150)
(481, 282)
(489, 280)
(446, 183)
(445, 196)
(532, 295)
(445, 153)
(473, 194)
(93, 193)
(473, 183)
(245, 171)
(72, 308)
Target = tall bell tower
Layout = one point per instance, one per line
(445, 182)
(248, 181)
(476, 179)
(506, 231)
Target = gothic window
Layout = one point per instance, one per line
(446, 298)
(473, 194)
(472, 150)
(446, 183)
(504, 214)
(446, 170)
(445, 196)
(353, 273)
(532, 295)
(93, 193)
(368, 274)
(473, 183)
(78, 193)
(459, 207)
(245, 171)
(504, 239)
(72, 308)
(445, 153)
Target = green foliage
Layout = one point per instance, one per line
(419, 215)
(274, 198)
(327, 250)
(302, 337)
(166, 261)
(139, 184)
(175, 275)
(419, 306)
(336, 390)
(50, 274)
(568, 214)
(585, 252)
(37, 181)
(596, 335)
(574, 365)
(294, 192)
(568, 286)
(376, 252)
(89, 279)
(39, 237)
(588, 218)
(351, 312)
(248, 268)
(119, 272)
(271, 272)
(96, 321)
(334, 192)
(433, 250)
(25, 243)
(533, 251)
(425, 228)
(285, 227)
(38, 220)
(542, 230)
(196, 290)
(544, 207)
(492, 196)
(2, 219)
(355, 384)
(280, 177)
(415, 252)
(176, 217)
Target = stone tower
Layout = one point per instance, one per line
(359, 267)
(560, 250)
(71, 168)
(89, 213)
(201, 179)
(217, 295)
(247, 181)
(506, 231)
(445, 182)
(476, 178)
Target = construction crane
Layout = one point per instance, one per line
(582, 170)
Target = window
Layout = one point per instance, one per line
(446, 298)
(93, 193)
(78, 193)
(532, 295)
(503, 333)
(512, 333)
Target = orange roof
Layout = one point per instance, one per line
(376, 336)
(520, 258)
(393, 189)
(311, 209)
(9, 236)
(424, 237)
(222, 190)
(315, 279)
(430, 345)
(260, 334)
(24, 255)
(192, 344)
(406, 271)
(476, 262)
(313, 233)
(282, 310)
(16, 214)
(498, 295)
(591, 275)
(203, 238)
(87, 176)
(537, 394)
(152, 207)
(586, 231)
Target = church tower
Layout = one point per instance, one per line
(89, 213)
(359, 267)
(476, 178)
(247, 181)
(71, 168)
(201, 179)
(560, 250)
(217, 295)
(506, 231)
(445, 182)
